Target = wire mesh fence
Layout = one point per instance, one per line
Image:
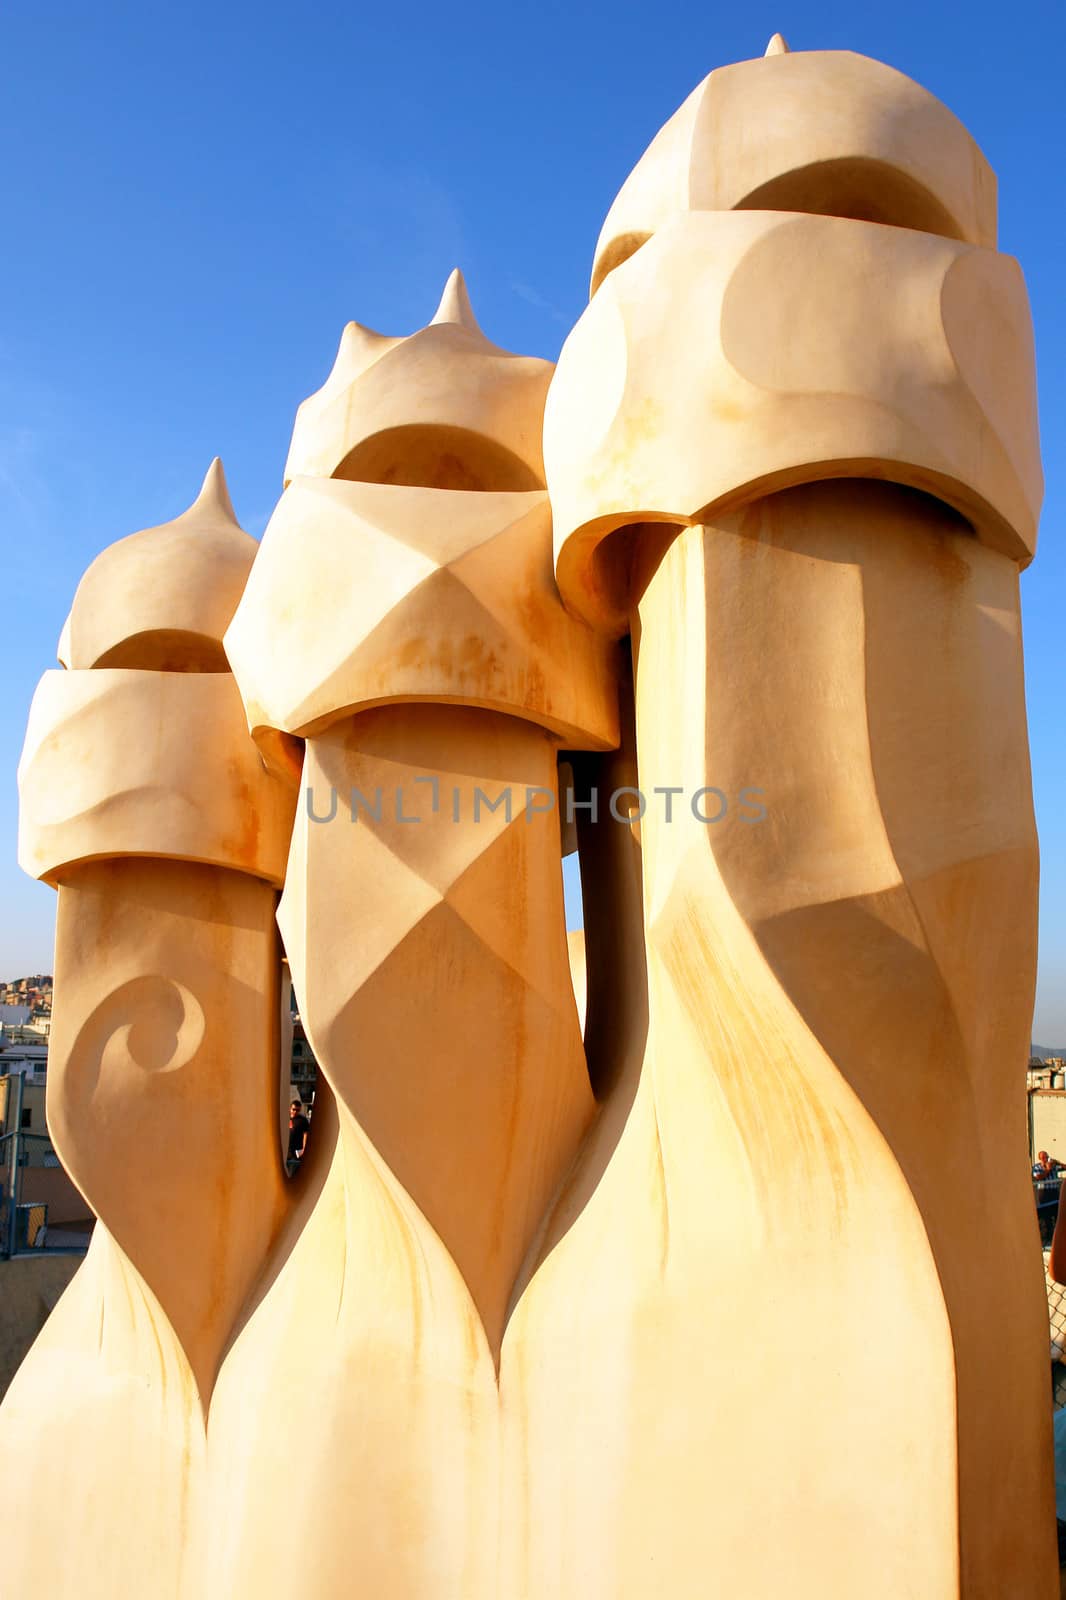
(1046, 1192)
(1056, 1305)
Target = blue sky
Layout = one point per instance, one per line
(197, 198)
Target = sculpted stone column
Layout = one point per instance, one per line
(791, 446)
(145, 802)
(402, 618)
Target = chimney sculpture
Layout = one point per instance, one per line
(791, 447)
(402, 618)
(763, 1315)
(145, 802)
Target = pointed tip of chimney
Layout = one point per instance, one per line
(214, 493)
(359, 348)
(778, 46)
(455, 304)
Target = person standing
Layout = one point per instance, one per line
(299, 1128)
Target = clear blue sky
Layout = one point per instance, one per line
(196, 198)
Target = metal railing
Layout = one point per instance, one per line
(1046, 1196)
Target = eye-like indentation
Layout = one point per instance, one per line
(616, 254)
(433, 456)
(166, 650)
(858, 187)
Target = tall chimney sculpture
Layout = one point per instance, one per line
(402, 618)
(792, 448)
(145, 802)
(744, 1297)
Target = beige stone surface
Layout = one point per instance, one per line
(432, 810)
(826, 1108)
(162, 1080)
(825, 131)
(144, 800)
(162, 598)
(433, 595)
(476, 1097)
(442, 1016)
(119, 762)
(836, 996)
(104, 1424)
(738, 353)
(443, 407)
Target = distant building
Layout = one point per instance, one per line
(26, 1056)
(303, 1071)
(34, 993)
(1047, 1107)
(42, 1179)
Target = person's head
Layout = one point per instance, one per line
(1041, 1155)
(295, 1109)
